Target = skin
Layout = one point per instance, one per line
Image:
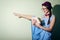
(34, 22)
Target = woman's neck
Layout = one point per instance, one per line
(47, 14)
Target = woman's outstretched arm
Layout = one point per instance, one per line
(28, 17)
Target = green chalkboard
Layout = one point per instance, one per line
(56, 29)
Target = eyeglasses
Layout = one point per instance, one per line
(44, 8)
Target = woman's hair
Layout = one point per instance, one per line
(49, 7)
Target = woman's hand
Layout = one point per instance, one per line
(34, 21)
(38, 25)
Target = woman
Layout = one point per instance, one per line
(41, 31)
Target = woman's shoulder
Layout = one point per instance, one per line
(53, 16)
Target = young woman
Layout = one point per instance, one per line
(41, 31)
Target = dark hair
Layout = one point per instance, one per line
(49, 7)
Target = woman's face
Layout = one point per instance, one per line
(45, 9)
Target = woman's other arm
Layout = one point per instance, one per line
(47, 29)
